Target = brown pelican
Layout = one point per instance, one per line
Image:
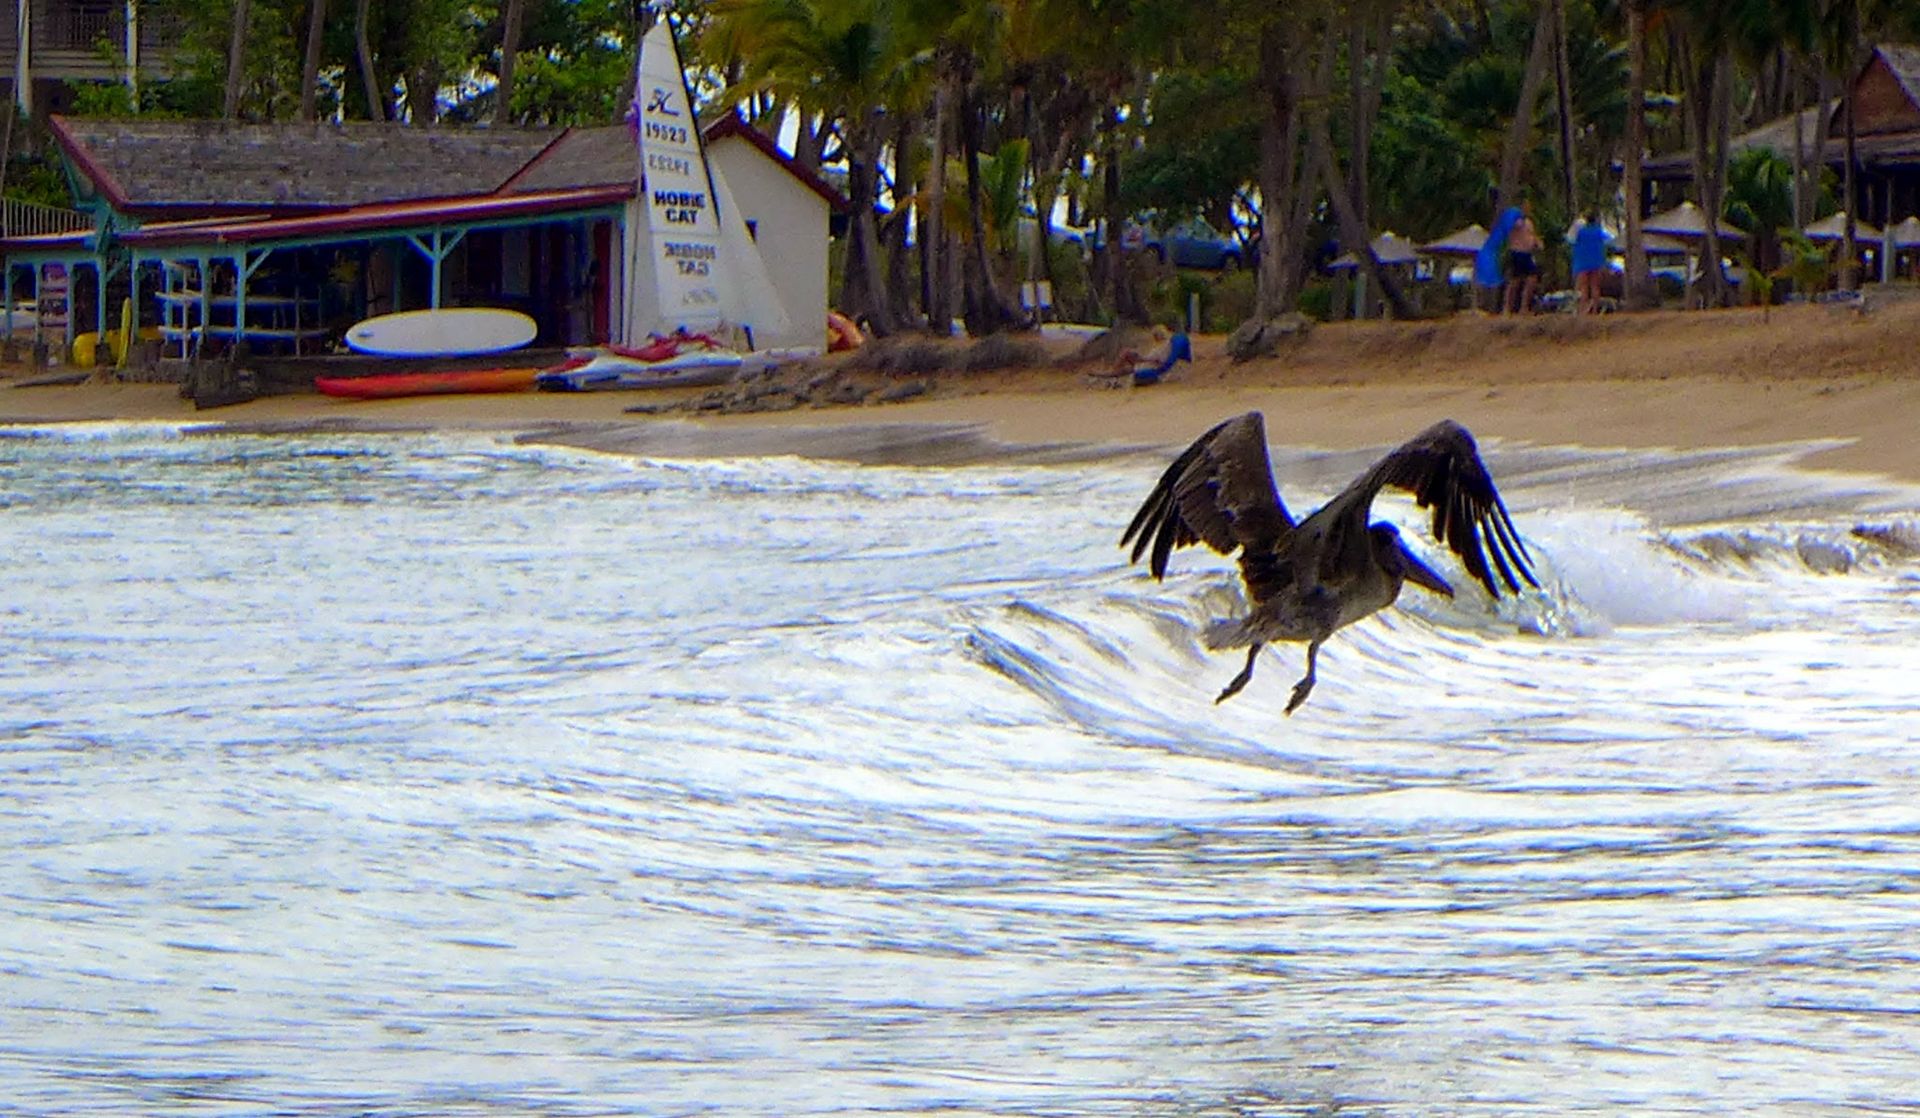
(1310, 579)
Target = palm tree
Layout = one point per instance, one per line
(363, 55)
(511, 18)
(310, 71)
(847, 61)
(1639, 281)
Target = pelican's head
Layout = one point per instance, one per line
(1396, 560)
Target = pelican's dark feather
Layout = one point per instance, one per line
(1441, 467)
(1219, 492)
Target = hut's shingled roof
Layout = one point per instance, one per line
(597, 156)
(602, 156)
(198, 166)
(1904, 63)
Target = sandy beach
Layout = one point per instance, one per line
(1666, 379)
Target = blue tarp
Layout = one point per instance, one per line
(1487, 270)
(1179, 348)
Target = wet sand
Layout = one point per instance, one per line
(1668, 379)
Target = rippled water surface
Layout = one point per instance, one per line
(441, 775)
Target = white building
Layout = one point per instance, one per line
(787, 208)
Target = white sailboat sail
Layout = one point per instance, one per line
(693, 265)
(677, 273)
(748, 298)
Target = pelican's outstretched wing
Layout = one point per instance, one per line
(1218, 492)
(1441, 467)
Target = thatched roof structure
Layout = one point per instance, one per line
(1460, 242)
(1388, 248)
(1834, 228)
(1687, 220)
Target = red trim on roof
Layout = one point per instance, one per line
(387, 215)
(104, 182)
(734, 125)
(539, 158)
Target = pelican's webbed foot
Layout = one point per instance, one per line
(1305, 686)
(1240, 680)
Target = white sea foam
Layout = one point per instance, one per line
(512, 781)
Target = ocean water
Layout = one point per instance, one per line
(441, 775)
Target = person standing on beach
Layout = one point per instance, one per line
(1523, 265)
(1589, 259)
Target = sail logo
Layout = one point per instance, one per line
(661, 101)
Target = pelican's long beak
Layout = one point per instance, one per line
(1420, 574)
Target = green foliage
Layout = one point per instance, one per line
(1201, 146)
(1805, 263)
(1316, 300)
(1428, 175)
(588, 87)
(38, 179)
(1760, 190)
(1002, 185)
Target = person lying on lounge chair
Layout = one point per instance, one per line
(1145, 371)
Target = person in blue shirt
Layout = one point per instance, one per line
(1589, 262)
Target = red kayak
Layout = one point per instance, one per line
(387, 386)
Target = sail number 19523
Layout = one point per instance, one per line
(670, 133)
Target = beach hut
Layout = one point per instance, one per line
(1460, 242)
(1688, 222)
(1834, 228)
(1904, 237)
(1390, 249)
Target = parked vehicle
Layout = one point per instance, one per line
(1195, 244)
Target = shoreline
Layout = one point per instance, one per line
(1662, 380)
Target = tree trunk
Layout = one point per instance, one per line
(899, 254)
(236, 61)
(1520, 129)
(310, 70)
(987, 310)
(1850, 191)
(1359, 124)
(1709, 113)
(1121, 298)
(1351, 231)
(1563, 105)
(933, 224)
(423, 95)
(511, 20)
(1638, 284)
(862, 294)
(1800, 202)
(363, 55)
(1281, 251)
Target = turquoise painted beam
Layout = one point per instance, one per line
(436, 253)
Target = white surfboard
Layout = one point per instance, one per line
(446, 332)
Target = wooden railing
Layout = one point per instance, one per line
(78, 26)
(27, 219)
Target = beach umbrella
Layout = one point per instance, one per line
(1660, 244)
(1460, 242)
(1388, 248)
(1834, 228)
(1688, 221)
